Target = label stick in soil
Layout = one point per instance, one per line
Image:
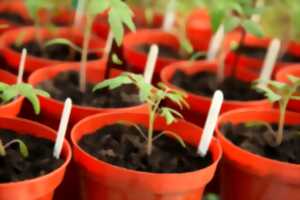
(210, 123)
(62, 128)
(108, 44)
(169, 18)
(79, 12)
(270, 61)
(151, 62)
(22, 66)
(215, 43)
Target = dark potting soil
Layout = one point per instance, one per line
(14, 18)
(124, 146)
(164, 51)
(14, 167)
(255, 139)
(66, 85)
(54, 52)
(205, 84)
(260, 53)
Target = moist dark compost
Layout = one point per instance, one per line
(256, 139)
(54, 52)
(205, 84)
(14, 167)
(14, 18)
(66, 85)
(124, 146)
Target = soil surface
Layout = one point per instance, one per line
(66, 85)
(14, 18)
(205, 84)
(260, 53)
(14, 167)
(54, 52)
(124, 146)
(256, 139)
(164, 51)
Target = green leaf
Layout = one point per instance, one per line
(294, 79)
(113, 83)
(217, 16)
(167, 114)
(63, 41)
(278, 85)
(28, 92)
(211, 197)
(231, 23)
(270, 94)
(9, 94)
(116, 26)
(96, 7)
(3, 86)
(251, 27)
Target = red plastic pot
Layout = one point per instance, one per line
(108, 182)
(33, 63)
(101, 26)
(13, 108)
(199, 29)
(138, 59)
(199, 105)
(53, 108)
(282, 75)
(251, 177)
(254, 64)
(17, 7)
(40, 188)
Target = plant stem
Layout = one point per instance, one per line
(2, 149)
(150, 132)
(282, 109)
(237, 57)
(84, 55)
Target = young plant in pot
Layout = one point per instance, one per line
(31, 168)
(202, 78)
(173, 47)
(260, 145)
(150, 150)
(77, 81)
(279, 19)
(35, 38)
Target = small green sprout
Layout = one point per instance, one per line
(9, 92)
(211, 196)
(152, 96)
(22, 147)
(281, 93)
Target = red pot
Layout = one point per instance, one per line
(13, 108)
(53, 108)
(199, 105)
(41, 188)
(33, 63)
(101, 26)
(17, 7)
(255, 64)
(199, 29)
(282, 75)
(138, 59)
(251, 177)
(109, 182)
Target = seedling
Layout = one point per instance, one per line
(233, 14)
(22, 147)
(281, 93)
(152, 96)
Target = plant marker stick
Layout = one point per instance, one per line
(270, 61)
(79, 12)
(215, 43)
(109, 42)
(210, 123)
(150, 64)
(22, 66)
(62, 128)
(169, 18)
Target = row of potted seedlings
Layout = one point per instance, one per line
(117, 150)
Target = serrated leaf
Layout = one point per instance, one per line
(167, 114)
(270, 94)
(116, 26)
(294, 79)
(253, 28)
(113, 83)
(231, 23)
(116, 59)
(97, 6)
(278, 85)
(9, 94)
(217, 16)
(3, 86)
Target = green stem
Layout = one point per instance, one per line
(282, 108)
(150, 132)
(2, 149)
(84, 55)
